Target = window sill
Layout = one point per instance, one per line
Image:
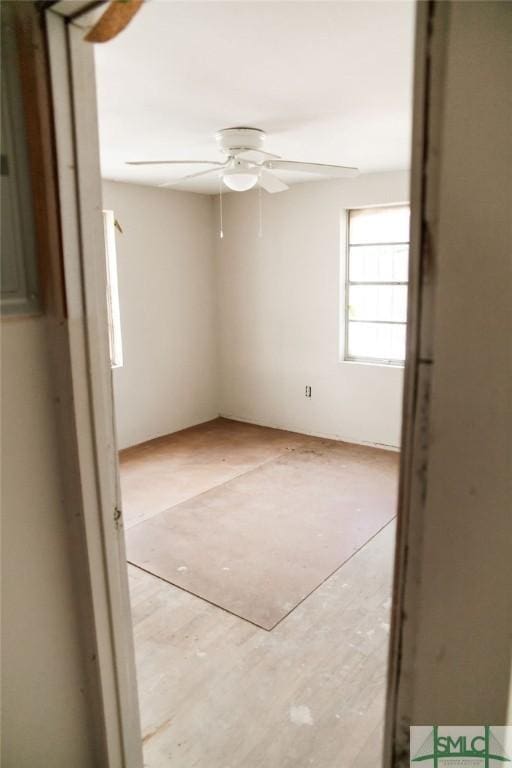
(372, 363)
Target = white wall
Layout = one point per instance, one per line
(279, 300)
(45, 717)
(166, 285)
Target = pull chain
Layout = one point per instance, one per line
(260, 225)
(221, 231)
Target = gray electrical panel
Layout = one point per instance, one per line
(19, 273)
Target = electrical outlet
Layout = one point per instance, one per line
(308, 391)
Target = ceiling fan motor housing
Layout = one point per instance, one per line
(232, 140)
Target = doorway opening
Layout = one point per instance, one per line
(258, 402)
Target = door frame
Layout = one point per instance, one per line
(92, 430)
(72, 81)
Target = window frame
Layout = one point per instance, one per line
(347, 358)
(115, 336)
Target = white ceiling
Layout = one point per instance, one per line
(330, 82)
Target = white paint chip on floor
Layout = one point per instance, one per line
(301, 715)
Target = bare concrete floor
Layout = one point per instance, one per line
(219, 692)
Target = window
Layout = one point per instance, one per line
(376, 290)
(114, 317)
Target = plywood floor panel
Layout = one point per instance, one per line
(168, 470)
(260, 543)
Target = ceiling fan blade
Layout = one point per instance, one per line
(173, 162)
(117, 16)
(271, 183)
(191, 176)
(255, 155)
(321, 169)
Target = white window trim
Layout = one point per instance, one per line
(352, 359)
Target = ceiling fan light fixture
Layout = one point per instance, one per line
(240, 180)
(246, 164)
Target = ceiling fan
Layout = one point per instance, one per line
(248, 165)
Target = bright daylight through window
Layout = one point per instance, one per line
(114, 317)
(376, 290)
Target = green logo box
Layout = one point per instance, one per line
(464, 746)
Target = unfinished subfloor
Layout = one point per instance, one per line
(217, 691)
